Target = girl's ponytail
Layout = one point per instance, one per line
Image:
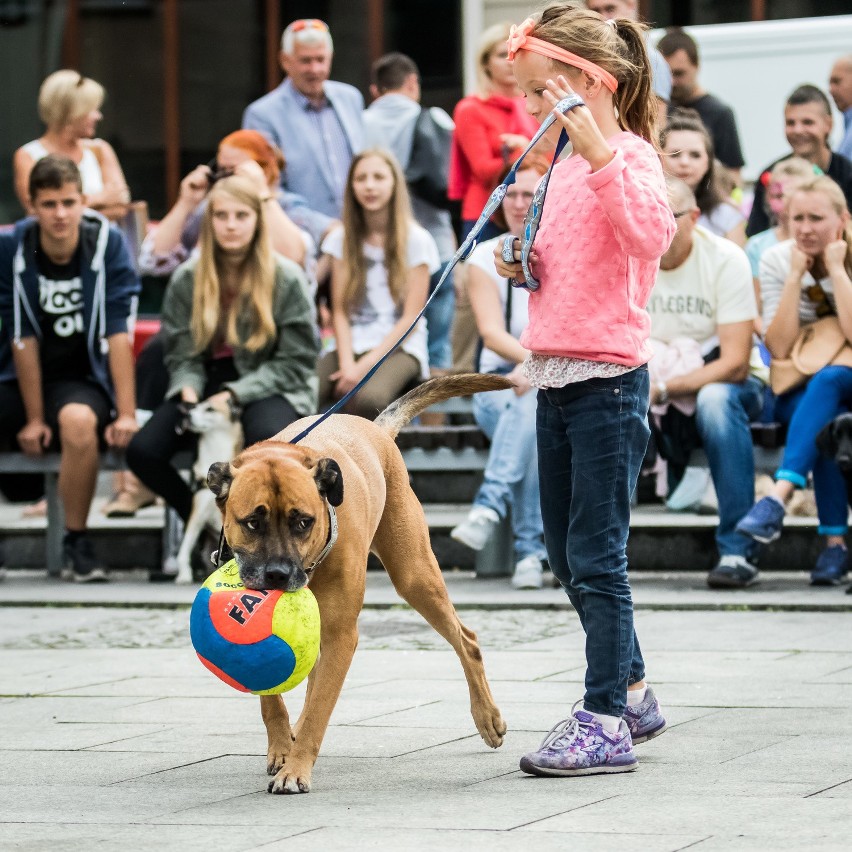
(635, 99)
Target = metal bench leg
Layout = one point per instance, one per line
(55, 525)
(496, 559)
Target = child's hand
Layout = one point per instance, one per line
(583, 132)
(511, 270)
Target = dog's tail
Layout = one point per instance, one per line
(402, 411)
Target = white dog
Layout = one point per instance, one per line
(220, 437)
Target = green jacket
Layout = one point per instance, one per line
(286, 366)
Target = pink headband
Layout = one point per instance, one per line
(520, 39)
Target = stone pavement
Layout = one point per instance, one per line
(113, 736)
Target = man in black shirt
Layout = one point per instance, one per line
(67, 291)
(681, 52)
(807, 125)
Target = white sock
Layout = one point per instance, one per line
(611, 724)
(636, 696)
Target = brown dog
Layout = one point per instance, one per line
(275, 500)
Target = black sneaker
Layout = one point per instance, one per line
(732, 572)
(81, 564)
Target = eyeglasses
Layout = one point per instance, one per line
(524, 196)
(308, 24)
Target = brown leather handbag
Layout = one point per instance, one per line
(818, 344)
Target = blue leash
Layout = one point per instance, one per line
(531, 224)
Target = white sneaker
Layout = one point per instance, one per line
(476, 529)
(690, 490)
(528, 573)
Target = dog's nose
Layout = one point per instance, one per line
(277, 576)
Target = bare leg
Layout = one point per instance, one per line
(78, 467)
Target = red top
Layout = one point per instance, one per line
(478, 161)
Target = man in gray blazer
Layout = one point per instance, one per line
(315, 121)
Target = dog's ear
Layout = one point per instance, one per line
(219, 479)
(329, 480)
(826, 439)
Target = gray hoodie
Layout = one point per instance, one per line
(389, 123)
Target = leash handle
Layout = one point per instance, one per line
(494, 201)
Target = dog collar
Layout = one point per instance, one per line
(332, 538)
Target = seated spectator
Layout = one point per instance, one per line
(807, 125)
(688, 155)
(70, 105)
(507, 416)
(840, 88)
(381, 263)
(704, 292)
(238, 325)
(393, 121)
(802, 280)
(68, 383)
(681, 52)
(780, 182)
(492, 129)
(246, 153)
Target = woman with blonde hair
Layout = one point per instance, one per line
(70, 106)
(802, 280)
(492, 129)
(381, 263)
(239, 327)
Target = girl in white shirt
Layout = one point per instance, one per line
(381, 264)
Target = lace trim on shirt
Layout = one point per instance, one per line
(556, 371)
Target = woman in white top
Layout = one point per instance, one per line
(381, 263)
(688, 155)
(70, 105)
(508, 417)
(803, 280)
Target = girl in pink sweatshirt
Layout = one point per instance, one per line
(605, 225)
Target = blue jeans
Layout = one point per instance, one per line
(592, 437)
(439, 321)
(511, 475)
(807, 410)
(723, 413)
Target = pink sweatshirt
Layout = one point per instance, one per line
(599, 246)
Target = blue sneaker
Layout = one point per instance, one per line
(645, 721)
(831, 566)
(763, 521)
(579, 745)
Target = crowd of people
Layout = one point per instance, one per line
(316, 234)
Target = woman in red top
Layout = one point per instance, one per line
(492, 129)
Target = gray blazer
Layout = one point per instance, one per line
(282, 118)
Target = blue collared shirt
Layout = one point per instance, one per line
(335, 145)
(845, 146)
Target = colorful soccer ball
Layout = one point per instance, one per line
(262, 642)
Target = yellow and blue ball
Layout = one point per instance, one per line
(263, 642)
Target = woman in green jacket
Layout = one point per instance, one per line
(239, 325)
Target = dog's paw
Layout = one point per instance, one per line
(289, 780)
(491, 727)
(276, 756)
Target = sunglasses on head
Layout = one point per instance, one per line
(308, 24)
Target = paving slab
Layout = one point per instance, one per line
(113, 736)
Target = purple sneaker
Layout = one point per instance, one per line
(645, 720)
(579, 745)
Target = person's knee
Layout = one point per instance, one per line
(78, 427)
(718, 408)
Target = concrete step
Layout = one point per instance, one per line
(659, 540)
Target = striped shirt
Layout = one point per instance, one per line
(335, 145)
(774, 268)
